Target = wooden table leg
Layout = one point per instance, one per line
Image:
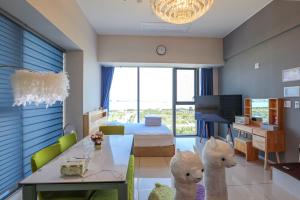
(277, 157)
(122, 192)
(29, 192)
(266, 160)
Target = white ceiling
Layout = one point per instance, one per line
(135, 17)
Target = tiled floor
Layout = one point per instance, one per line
(246, 181)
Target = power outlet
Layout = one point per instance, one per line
(297, 106)
(287, 104)
(256, 66)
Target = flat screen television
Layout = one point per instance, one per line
(225, 106)
(260, 108)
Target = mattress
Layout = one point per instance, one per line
(150, 136)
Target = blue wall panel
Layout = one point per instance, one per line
(11, 157)
(24, 130)
(41, 126)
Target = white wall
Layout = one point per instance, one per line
(142, 49)
(74, 63)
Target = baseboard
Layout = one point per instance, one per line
(286, 182)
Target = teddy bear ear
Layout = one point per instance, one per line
(213, 142)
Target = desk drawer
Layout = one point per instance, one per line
(242, 127)
(240, 145)
(260, 132)
(259, 142)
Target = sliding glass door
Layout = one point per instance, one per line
(185, 89)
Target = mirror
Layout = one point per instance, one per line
(260, 108)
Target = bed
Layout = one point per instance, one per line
(151, 141)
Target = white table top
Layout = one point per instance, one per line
(109, 164)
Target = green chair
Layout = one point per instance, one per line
(112, 130)
(67, 141)
(41, 158)
(113, 193)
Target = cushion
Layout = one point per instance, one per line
(162, 192)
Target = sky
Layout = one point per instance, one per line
(155, 87)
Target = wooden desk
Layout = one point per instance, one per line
(264, 140)
(107, 169)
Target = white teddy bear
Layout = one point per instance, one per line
(187, 170)
(217, 155)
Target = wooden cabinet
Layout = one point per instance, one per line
(263, 140)
(244, 128)
(259, 142)
(245, 146)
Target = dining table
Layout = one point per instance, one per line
(106, 169)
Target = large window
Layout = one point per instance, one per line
(168, 92)
(186, 89)
(156, 93)
(123, 95)
(185, 85)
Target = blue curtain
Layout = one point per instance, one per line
(206, 89)
(206, 81)
(107, 73)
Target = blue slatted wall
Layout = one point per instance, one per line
(41, 126)
(11, 158)
(24, 130)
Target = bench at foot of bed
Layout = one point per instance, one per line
(165, 151)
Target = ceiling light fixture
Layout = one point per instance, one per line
(180, 11)
(39, 87)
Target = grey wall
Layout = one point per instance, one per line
(275, 49)
(277, 17)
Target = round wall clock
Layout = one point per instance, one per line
(161, 50)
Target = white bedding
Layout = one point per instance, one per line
(150, 136)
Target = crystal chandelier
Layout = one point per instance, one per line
(180, 11)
